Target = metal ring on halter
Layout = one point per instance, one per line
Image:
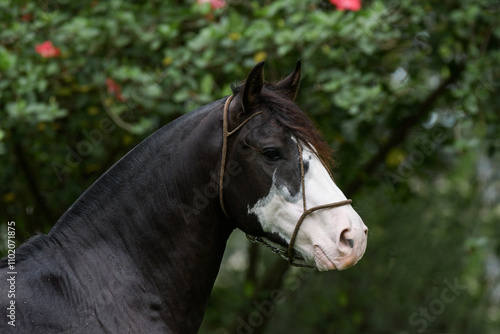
(289, 253)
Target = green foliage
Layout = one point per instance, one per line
(419, 157)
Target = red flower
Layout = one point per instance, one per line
(115, 89)
(216, 4)
(27, 17)
(347, 4)
(47, 50)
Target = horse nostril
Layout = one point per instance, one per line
(344, 238)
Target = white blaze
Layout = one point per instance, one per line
(325, 236)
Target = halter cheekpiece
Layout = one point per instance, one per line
(289, 253)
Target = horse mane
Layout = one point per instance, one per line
(287, 113)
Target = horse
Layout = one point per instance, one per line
(139, 250)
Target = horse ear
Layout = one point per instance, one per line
(253, 87)
(290, 84)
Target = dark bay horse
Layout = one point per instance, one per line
(139, 251)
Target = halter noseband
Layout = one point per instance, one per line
(289, 253)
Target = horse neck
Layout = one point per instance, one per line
(156, 215)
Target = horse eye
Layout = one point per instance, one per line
(271, 154)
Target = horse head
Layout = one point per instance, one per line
(283, 192)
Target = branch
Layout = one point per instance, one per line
(273, 280)
(401, 132)
(115, 117)
(32, 183)
(253, 254)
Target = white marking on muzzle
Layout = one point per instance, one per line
(331, 238)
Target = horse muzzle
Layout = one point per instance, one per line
(348, 246)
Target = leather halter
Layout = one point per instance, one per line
(289, 253)
(225, 134)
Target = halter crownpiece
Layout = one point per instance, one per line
(225, 134)
(289, 253)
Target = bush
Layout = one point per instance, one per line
(81, 83)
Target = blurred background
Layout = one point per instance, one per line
(406, 92)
